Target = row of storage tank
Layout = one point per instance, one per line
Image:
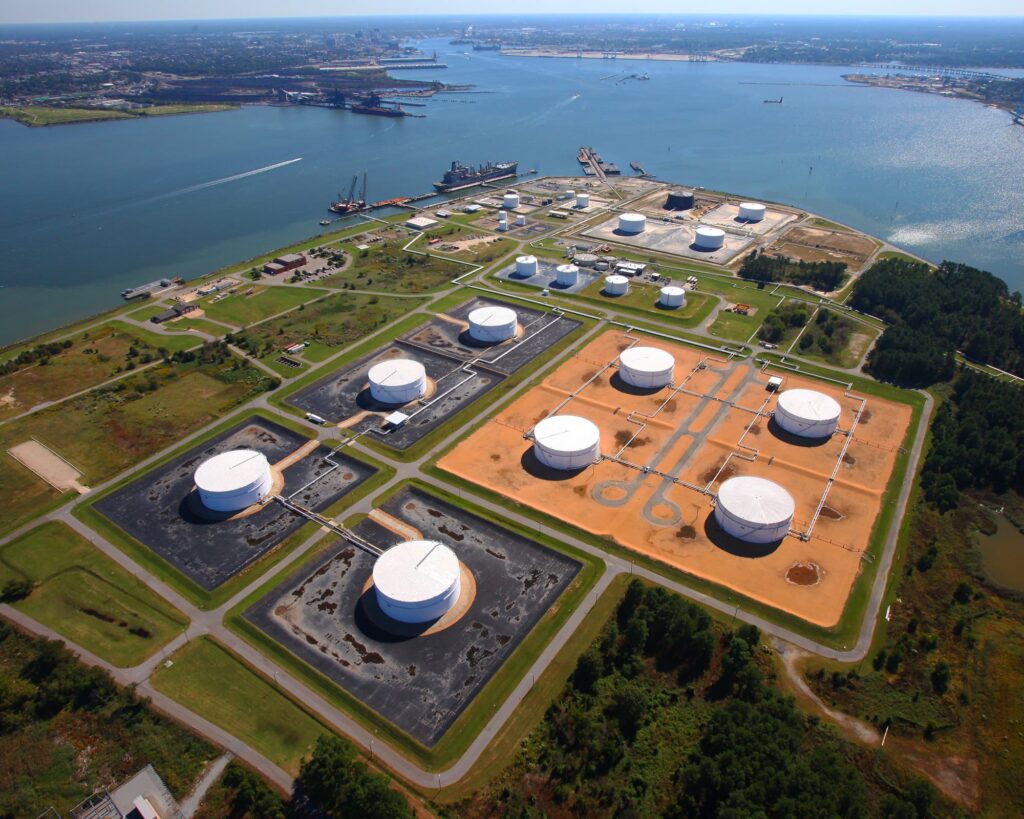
(567, 275)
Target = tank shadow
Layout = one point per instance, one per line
(366, 401)
(466, 340)
(606, 294)
(796, 440)
(667, 307)
(620, 384)
(733, 545)
(534, 467)
(699, 249)
(192, 510)
(373, 623)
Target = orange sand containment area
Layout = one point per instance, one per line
(675, 445)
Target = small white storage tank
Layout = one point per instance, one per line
(646, 367)
(754, 509)
(566, 275)
(566, 442)
(521, 219)
(616, 285)
(672, 296)
(632, 223)
(709, 238)
(233, 481)
(397, 381)
(582, 200)
(502, 217)
(417, 581)
(526, 266)
(585, 259)
(510, 200)
(807, 413)
(493, 324)
(751, 211)
(569, 193)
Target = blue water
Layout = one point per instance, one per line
(87, 210)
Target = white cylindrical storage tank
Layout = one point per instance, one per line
(526, 266)
(417, 581)
(751, 211)
(510, 200)
(616, 285)
(807, 413)
(493, 324)
(646, 367)
(632, 223)
(569, 194)
(585, 259)
(566, 442)
(397, 381)
(601, 266)
(503, 217)
(233, 481)
(672, 296)
(583, 200)
(754, 509)
(521, 219)
(709, 238)
(566, 275)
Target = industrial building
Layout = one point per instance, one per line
(646, 367)
(282, 264)
(491, 325)
(807, 413)
(417, 581)
(421, 223)
(566, 442)
(173, 313)
(233, 481)
(755, 510)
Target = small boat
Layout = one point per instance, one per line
(325, 222)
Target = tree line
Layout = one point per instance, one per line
(824, 276)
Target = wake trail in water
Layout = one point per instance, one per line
(224, 180)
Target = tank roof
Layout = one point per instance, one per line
(415, 571)
(232, 471)
(809, 405)
(756, 500)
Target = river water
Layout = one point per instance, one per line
(88, 210)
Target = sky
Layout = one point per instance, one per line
(56, 11)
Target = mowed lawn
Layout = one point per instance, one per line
(87, 597)
(108, 430)
(207, 678)
(241, 310)
(646, 298)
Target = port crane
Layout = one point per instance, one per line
(349, 204)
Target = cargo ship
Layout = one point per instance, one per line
(373, 105)
(461, 176)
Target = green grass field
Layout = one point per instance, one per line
(172, 343)
(644, 298)
(87, 597)
(266, 301)
(40, 115)
(211, 681)
(201, 108)
(387, 268)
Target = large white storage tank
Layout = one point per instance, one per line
(521, 220)
(566, 442)
(751, 211)
(233, 481)
(616, 285)
(582, 200)
(709, 238)
(397, 381)
(526, 266)
(566, 275)
(493, 324)
(510, 200)
(754, 509)
(807, 413)
(417, 581)
(646, 367)
(672, 296)
(632, 223)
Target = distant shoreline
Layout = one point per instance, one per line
(42, 116)
(600, 55)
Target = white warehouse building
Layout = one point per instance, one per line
(493, 324)
(754, 510)
(397, 381)
(807, 413)
(567, 442)
(646, 367)
(233, 481)
(417, 581)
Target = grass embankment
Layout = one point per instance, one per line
(947, 671)
(326, 325)
(472, 720)
(241, 309)
(68, 731)
(87, 597)
(42, 115)
(112, 428)
(203, 598)
(211, 681)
